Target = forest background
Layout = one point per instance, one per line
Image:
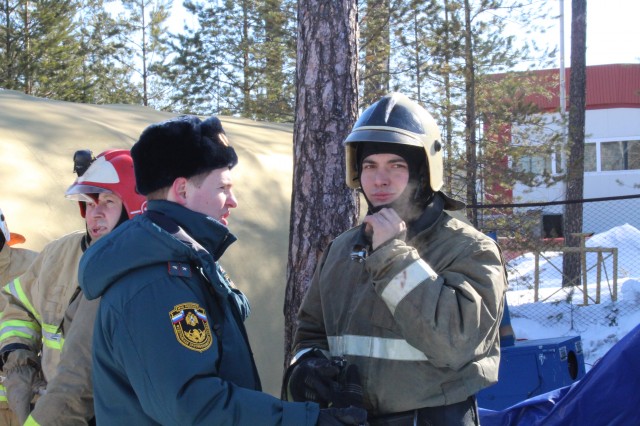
(239, 59)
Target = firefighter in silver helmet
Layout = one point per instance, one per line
(32, 337)
(13, 262)
(412, 298)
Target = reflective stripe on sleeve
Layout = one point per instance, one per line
(301, 352)
(3, 393)
(374, 347)
(19, 328)
(52, 337)
(15, 289)
(402, 284)
(31, 422)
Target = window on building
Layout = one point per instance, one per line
(536, 164)
(590, 164)
(619, 155)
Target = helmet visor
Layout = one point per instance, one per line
(81, 192)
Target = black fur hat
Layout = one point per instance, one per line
(180, 147)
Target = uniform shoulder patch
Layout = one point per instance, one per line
(178, 269)
(191, 326)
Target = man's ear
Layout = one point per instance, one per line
(178, 191)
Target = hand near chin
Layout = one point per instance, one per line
(384, 225)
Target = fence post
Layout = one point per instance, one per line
(536, 275)
(615, 274)
(598, 276)
(583, 266)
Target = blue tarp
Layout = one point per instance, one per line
(608, 395)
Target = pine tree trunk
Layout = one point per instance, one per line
(571, 269)
(326, 108)
(470, 117)
(448, 110)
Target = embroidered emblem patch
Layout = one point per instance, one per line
(191, 326)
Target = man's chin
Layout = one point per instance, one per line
(376, 208)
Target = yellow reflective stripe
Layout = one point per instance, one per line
(20, 324)
(404, 282)
(31, 422)
(19, 328)
(15, 333)
(51, 336)
(374, 347)
(53, 344)
(15, 288)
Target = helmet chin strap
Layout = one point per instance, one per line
(409, 205)
(412, 209)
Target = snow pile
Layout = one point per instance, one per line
(561, 312)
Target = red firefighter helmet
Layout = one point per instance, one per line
(111, 171)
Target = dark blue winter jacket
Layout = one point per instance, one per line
(169, 344)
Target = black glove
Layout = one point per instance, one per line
(311, 380)
(342, 416)
(330, 383)
(347, 391)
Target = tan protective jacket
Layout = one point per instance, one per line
(13, 263)
(36, 301)
(69, 397)
(420, 319)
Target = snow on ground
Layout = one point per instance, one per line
(562, 313)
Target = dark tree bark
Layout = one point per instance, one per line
(326, 108)
(575, 168)
(470, 117)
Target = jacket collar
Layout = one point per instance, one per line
(429, 216)
(178, 220)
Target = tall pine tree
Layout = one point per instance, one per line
(144, 23)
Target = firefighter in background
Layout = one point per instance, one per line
(31, 340)
(413, 297)
(13, 262)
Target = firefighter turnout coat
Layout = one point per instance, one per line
(35, 302)
(69, 397)
(419, 318)
(13, 263)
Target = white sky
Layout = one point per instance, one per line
(613, 31)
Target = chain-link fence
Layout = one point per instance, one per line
(606, 284)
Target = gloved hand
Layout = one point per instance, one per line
(347, 391)
(342, 416)
(311, 380)
(21, 370)
(327, 382)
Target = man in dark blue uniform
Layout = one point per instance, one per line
(170, 346)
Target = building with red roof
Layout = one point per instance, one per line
(612, 145)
